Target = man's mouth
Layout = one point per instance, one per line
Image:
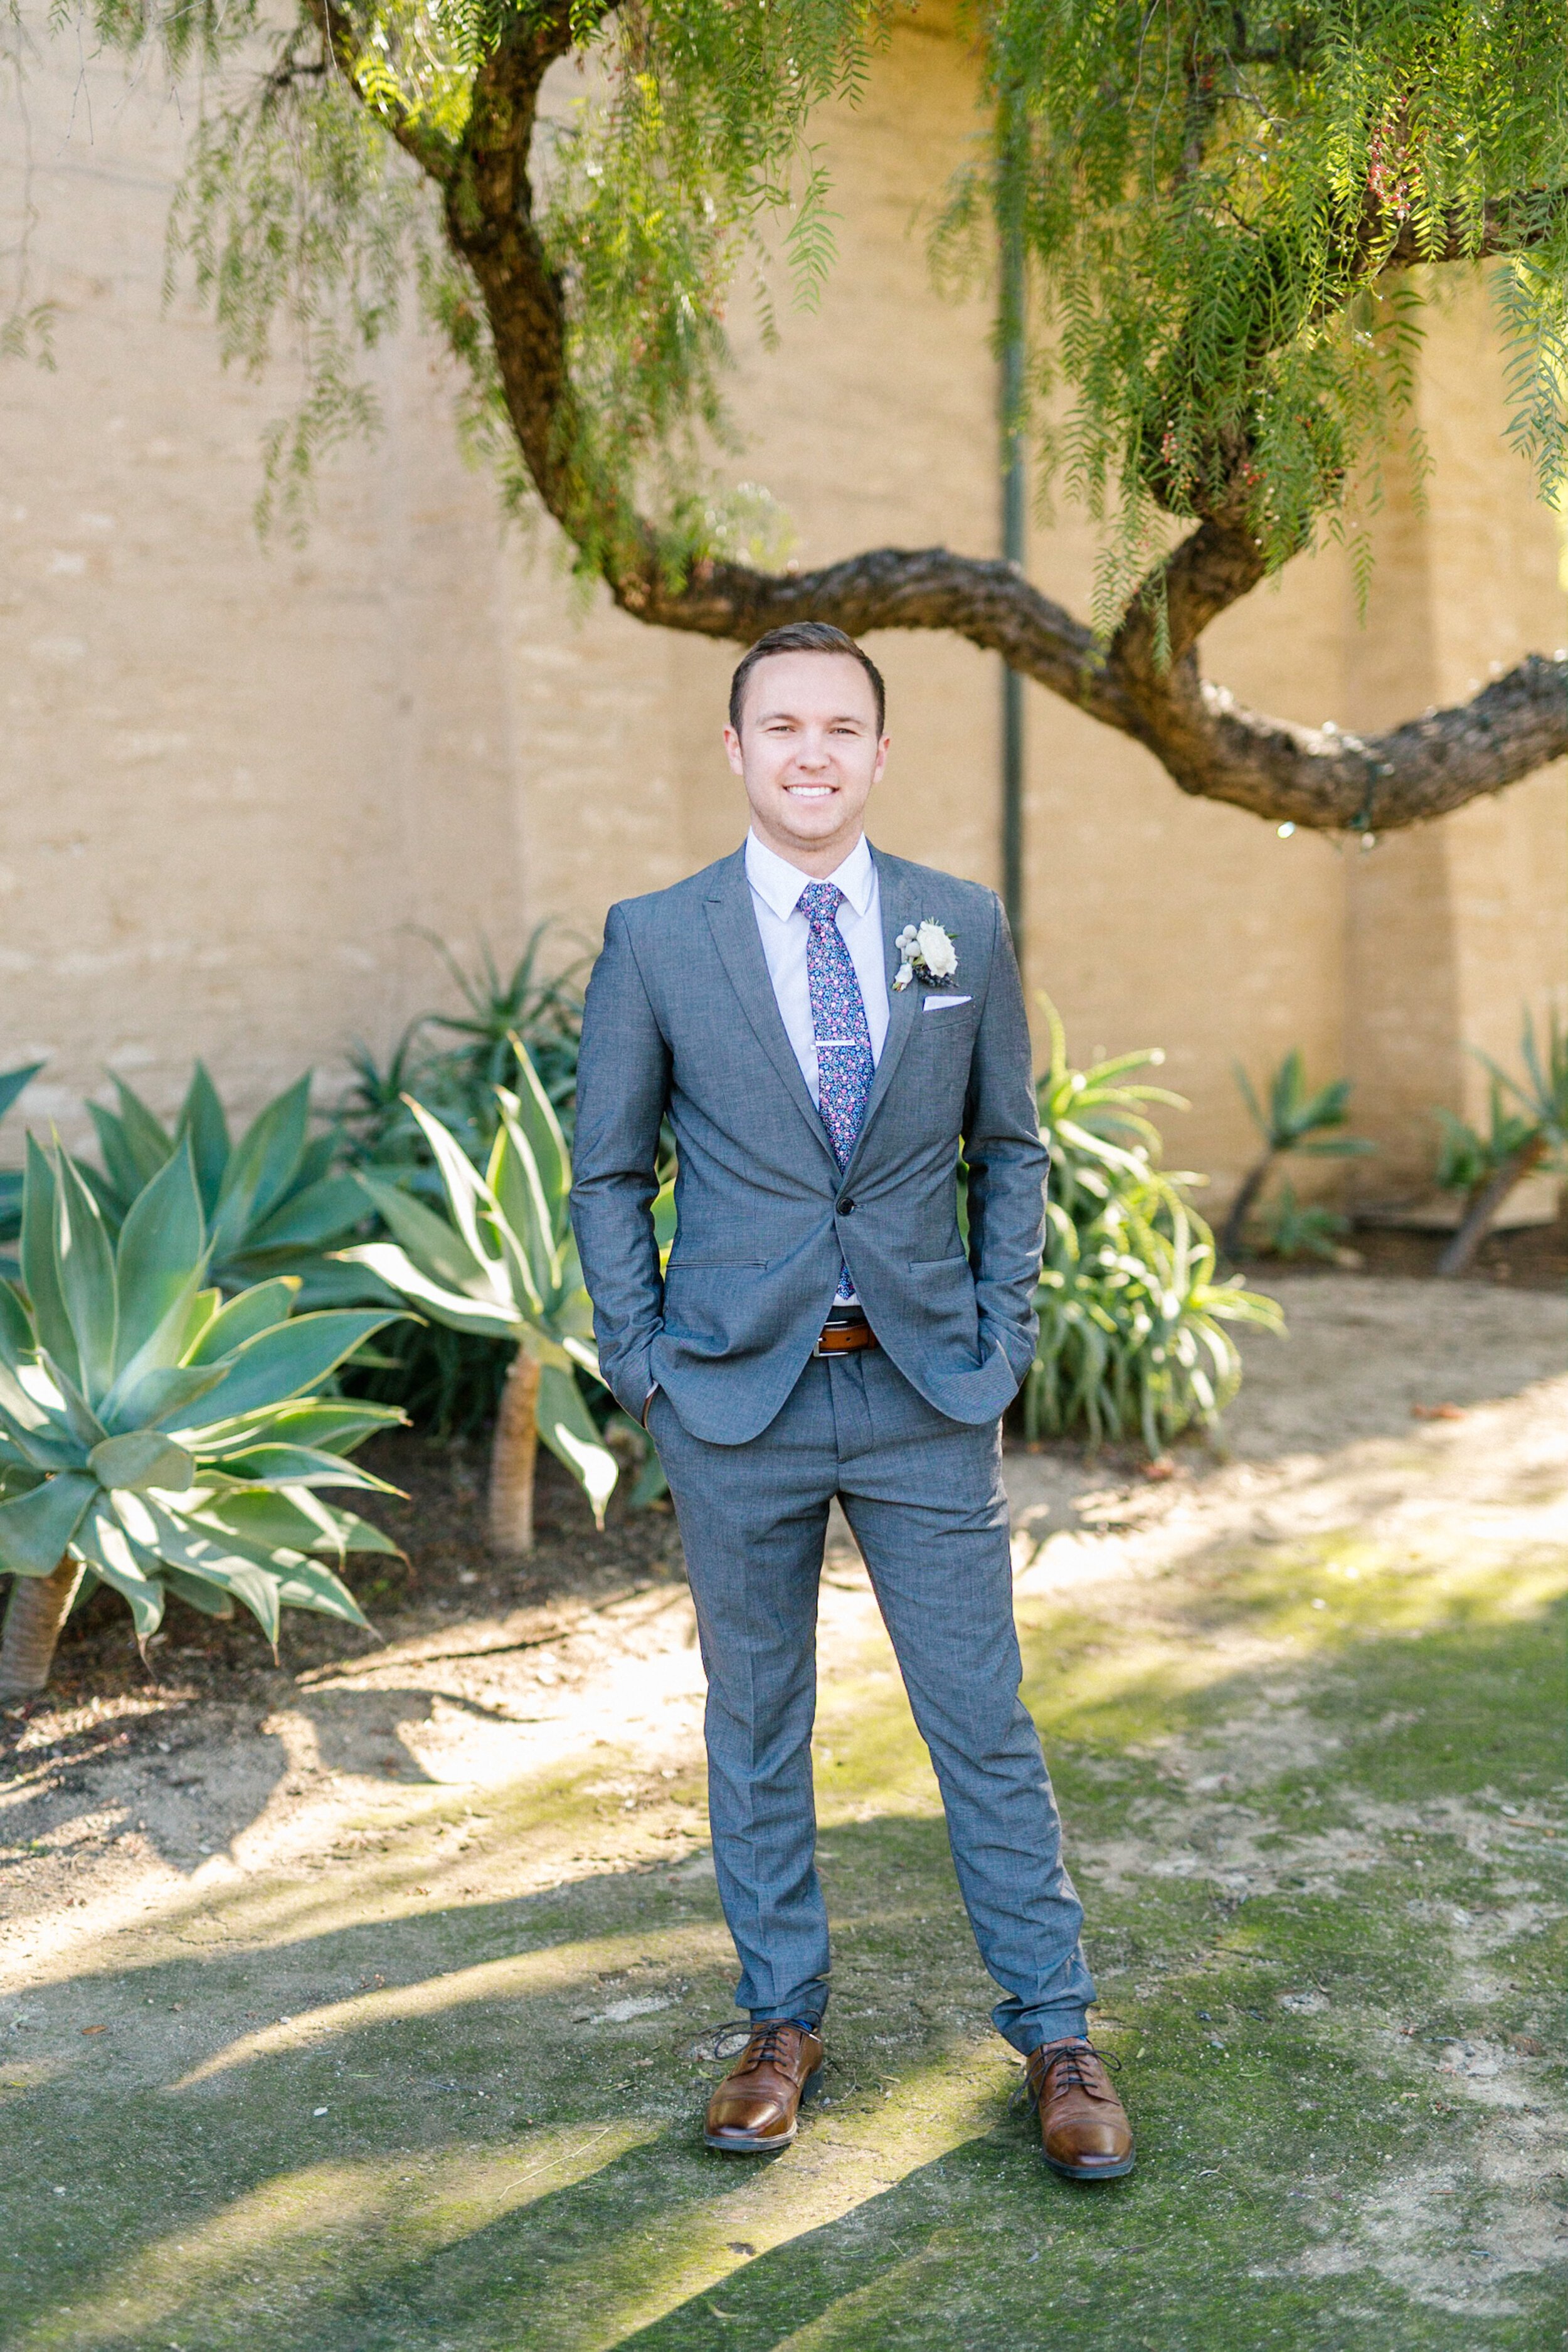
(810, 791)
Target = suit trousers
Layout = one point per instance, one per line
(923, 1495)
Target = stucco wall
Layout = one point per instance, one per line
(234, 781)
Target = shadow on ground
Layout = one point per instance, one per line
(1324, 1953)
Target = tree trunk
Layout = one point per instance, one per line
(1230, 1240)
(39, 1606)
(1476, 1223)
(513, 1451)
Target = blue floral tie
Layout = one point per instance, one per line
(843, 1064)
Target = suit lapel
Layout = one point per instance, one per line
(735, 935)
(899, 907)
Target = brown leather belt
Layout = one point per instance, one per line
(844, 1339)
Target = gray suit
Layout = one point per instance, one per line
(757, 1434)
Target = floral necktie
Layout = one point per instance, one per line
(843, 1064)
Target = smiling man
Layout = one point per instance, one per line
(828, 1030)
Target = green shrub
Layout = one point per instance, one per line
(501, 1266)
(1133, 1340)
(1292, 1119)
(273, 1203)
(1293, 1228)
(1486, 1168)
(11, 1085)
(446, 1379)
(155, 1438)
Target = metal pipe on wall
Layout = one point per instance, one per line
(1014, 519)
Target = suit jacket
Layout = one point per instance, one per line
(681, 1021)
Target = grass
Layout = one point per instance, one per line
(1326, 1955)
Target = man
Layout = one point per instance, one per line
(826, 1029)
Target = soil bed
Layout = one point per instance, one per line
(367, 2002)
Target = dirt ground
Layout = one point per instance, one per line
(370, 2000)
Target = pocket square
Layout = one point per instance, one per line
(941, 1004)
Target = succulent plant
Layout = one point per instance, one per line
(271, 1202)
(502, 1263)
(11, 1085)
(155, 1437)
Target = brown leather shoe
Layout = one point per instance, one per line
(1084, 2128)
(755, 2106)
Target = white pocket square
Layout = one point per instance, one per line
(941, 1004)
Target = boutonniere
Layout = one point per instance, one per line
(925, 952)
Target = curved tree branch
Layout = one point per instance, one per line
(1211, 746)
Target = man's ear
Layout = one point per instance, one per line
(733, 746)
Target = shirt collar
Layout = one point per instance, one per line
(779, 884)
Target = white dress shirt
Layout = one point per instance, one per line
(776, 887)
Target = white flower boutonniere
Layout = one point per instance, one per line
(926, 952)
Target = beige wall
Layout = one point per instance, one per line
(234, 780)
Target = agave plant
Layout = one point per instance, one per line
(1133, 1342)
(502, 1263)
(11, 1085)
(155, 1438)
(271, 1201)
(1293, 1120)
(1534, 1136)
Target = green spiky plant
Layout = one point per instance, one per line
(272, 1202)
(11, 1085)
(1133, 1326)
(1293, 1120)
(159, 1440)
(502, 1263)
(1534, 1136)
(451, 1381)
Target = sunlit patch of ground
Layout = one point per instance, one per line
(374, 2020)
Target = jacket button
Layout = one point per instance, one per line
(845, 1208)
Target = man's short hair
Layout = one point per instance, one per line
(804, 637)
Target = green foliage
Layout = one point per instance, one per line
(502, 1264)
(1133, 1340)
(1207, 194)
(272, 1201)
(446, 1379)
(1296, 1120)
(1293, 1120)
(1542, 1093)
(458, 1082)
(1468, 1157)
(1293, 1228)
(11, 1085)
(1534, 1136)
(169, 1441)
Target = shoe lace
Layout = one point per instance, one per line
(1073, 2075)
(766, 2045)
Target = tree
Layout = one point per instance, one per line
(1231, 218)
